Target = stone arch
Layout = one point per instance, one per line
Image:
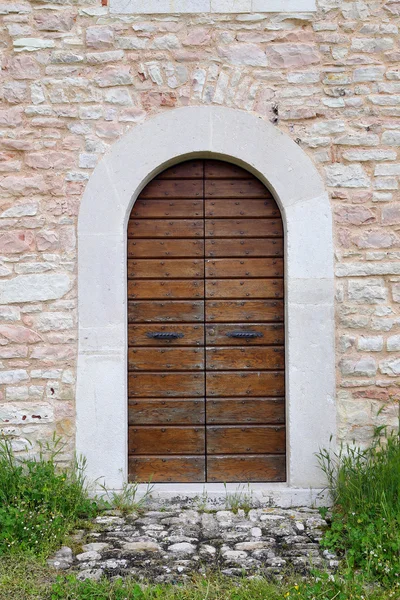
(261, 148)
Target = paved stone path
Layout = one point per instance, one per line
(168, 545)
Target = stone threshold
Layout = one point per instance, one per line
(213, 495)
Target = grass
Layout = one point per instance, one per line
(24, 579)
(241, 498)
(127, 500)
(39, 502)
(365, 486)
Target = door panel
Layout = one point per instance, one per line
(228, 188)
(168, 268)
(222, 334)
(160, 228)
(232, 228)
(230, 411)
(168, 359)
(160, 209)
(156, 289)
(165, 248)
(245, 311)
(206, 334)
(244, 288)
(179, 469)
(242, 383)
(165, 312)
(188, 335)
(166, 440)
(244, 247)
(154, 385)
(159, 411)
(243, 267)
(243, 357)
(249, 439)
(241, 208)
(239, 468)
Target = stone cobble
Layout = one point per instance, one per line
(173, 543)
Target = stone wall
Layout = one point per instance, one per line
(75, 79)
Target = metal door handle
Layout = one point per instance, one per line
(161, 335)
(245, 334)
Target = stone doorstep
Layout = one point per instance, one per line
(169, 545)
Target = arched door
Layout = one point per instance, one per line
(206, 328)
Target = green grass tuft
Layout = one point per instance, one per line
(39, 501)
(365, 486)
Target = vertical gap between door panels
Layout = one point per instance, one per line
(204, 323)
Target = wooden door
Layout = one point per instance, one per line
(206, 335)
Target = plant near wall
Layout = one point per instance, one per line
(128, 499)
(365, 487)
(40, 501)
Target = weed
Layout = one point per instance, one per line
(202, 501)
(39, 502)
(365, 487)
(127, 500)
(241, 498)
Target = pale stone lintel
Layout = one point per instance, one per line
(210, 6)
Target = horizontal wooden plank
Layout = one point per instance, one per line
(237, 228)
(161, 228)
(165, 248)
(243, 267)
(190, 169)
(174, 188)
(169, 359)
(158, 289)
(164, 411)
(247, 439)
(244, 247)
(173, 385)
(241, 208)
(219, 335)
(167, 311)
(251, 468)
(218, 169)
(245, 410)
(164, 469)
(259, 357)
(167, 209)
(140, 335)
(235, 188)
(244, 288)
(236, 311)
(166, 440)
(224, 384)
(168, 268)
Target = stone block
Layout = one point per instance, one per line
(367, 291)
(352, 176)
(390, 367)
(370, 343)
(33, 288)
(358, 367)
(393, 343)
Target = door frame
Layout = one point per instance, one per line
(286, 170)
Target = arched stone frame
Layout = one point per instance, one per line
(261, 148)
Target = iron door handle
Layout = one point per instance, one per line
(245, 334)
(161, 335)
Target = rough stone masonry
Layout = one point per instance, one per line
(171, 544)
(75, 78)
